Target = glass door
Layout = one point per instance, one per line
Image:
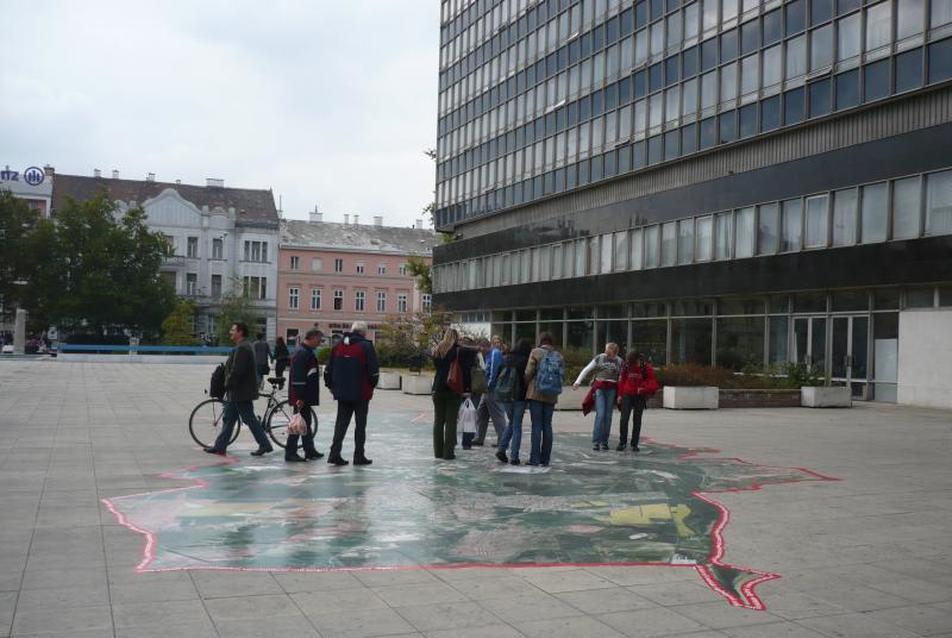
(809, 342)
(849, 353)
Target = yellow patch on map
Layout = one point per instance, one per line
(642, 515)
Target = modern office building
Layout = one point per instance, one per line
(727, 182)
(222, 238)
(332, 274)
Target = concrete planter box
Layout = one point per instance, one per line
(416, 384)
(691, 398)
(825, 397)
(774, 398)
(389, 381)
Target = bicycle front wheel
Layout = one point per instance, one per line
(206, 422)
(279, 419)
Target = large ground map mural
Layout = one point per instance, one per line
(408, 510)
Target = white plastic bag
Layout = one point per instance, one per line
(467, 417)
(297, 424)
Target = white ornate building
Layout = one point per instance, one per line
(221, 237)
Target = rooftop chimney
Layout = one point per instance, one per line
(49, 170)
(378, 220)
(150, 177)
(316, 215)
(356, 217)
(212, 182)
(346, 219)
(115, 174)
(97, 172)
(178, 181)
(419, 223)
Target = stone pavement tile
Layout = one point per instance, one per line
(572, 627)
(293, 582)
(605, 601)
(567, 580)
(69, 633)
(222, 584)
(8, 601)
(658, 621)
(384, 577)
(361, 623)
(924, 620)
(78, 619)
(68, 577)
(63, 597)
(406, 595)
(527, 607)
(718, 615)
(245, 607)
(447, 616)
(158, 613)
(278, 626)
(489, 631)
(854, 626)
(791, 604)
(774, 630)
(676, 593)
(497, 585)
(203, 629)
(326, 602)
(915, 590)
(644, 575)
(152, 587)
(856, 597)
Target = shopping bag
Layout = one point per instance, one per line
(467, 416)
(297, 424)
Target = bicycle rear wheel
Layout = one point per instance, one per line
(206, 422)
(280, 417)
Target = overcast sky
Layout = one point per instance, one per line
(327, 102)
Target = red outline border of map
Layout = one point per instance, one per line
(748, 599)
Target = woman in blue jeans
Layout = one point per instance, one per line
(515, 409)
(605, 369)
(541, 405)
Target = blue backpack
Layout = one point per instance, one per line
(550, 376)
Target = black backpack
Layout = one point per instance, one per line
(216, 386)
(508, 385)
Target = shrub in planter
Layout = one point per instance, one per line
(693, 374)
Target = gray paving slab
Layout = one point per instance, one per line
(869, 555)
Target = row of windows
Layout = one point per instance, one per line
(191, 247)
(317, 264)
(905, 208)
(360, 300)
(816, 99)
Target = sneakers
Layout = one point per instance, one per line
(502, 457)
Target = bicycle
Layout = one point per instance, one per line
(205, 422)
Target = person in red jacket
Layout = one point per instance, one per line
(351, 374)
(636, 384)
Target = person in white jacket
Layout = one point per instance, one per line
(605, 369)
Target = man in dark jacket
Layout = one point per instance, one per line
(262, 357)
(351, 374)
(303, 392)
(241, 389)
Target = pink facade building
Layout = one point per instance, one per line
(332, 274)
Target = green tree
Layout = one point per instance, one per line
(423, 273)
(178, 329)
(17, 223)
(406, 336)
(234, 307)
(96, 271)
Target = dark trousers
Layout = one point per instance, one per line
(634, 406)
(307, 440)
(279, 367)
(246, 411)
(541, 440)
(445, 413)
(346, 410)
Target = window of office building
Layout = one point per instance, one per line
(817, 221)
(723, 237)
(669, 244)
(686, 241)
(768, 224)
(294, 295)
(909, 17)
(338, 299)
(621, 250)
(315, 298)
(652, 247)
(874, 213)
(745, 233)
(878, 25)
(939, 203)
(906, 207)
(792, 224)
(844, 217)
(637, 252)
(740, 342)
(704, 231)
(691, 341)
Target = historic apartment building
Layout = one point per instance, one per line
(726, 182)
(224, 239)
(332, 274)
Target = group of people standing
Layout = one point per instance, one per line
(524, 378)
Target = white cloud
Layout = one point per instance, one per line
(325, 102)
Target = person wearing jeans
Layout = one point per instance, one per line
(606, 369)
(541, 406)
(515, 409)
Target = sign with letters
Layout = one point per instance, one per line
(34, 175)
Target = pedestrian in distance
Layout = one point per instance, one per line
(605, 369)
(351, 374)
(282, 356)
(488, 407)
(304, 391)
(545, 375)
(241, 389)
(637, 384)
(451, 384)
(262, 357)
(511, 393)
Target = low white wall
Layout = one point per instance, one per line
(925, 358)
(140, 358)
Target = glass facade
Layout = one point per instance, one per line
(543, 99)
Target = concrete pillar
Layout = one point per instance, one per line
(19, 332)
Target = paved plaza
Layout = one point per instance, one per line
(743, 523)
